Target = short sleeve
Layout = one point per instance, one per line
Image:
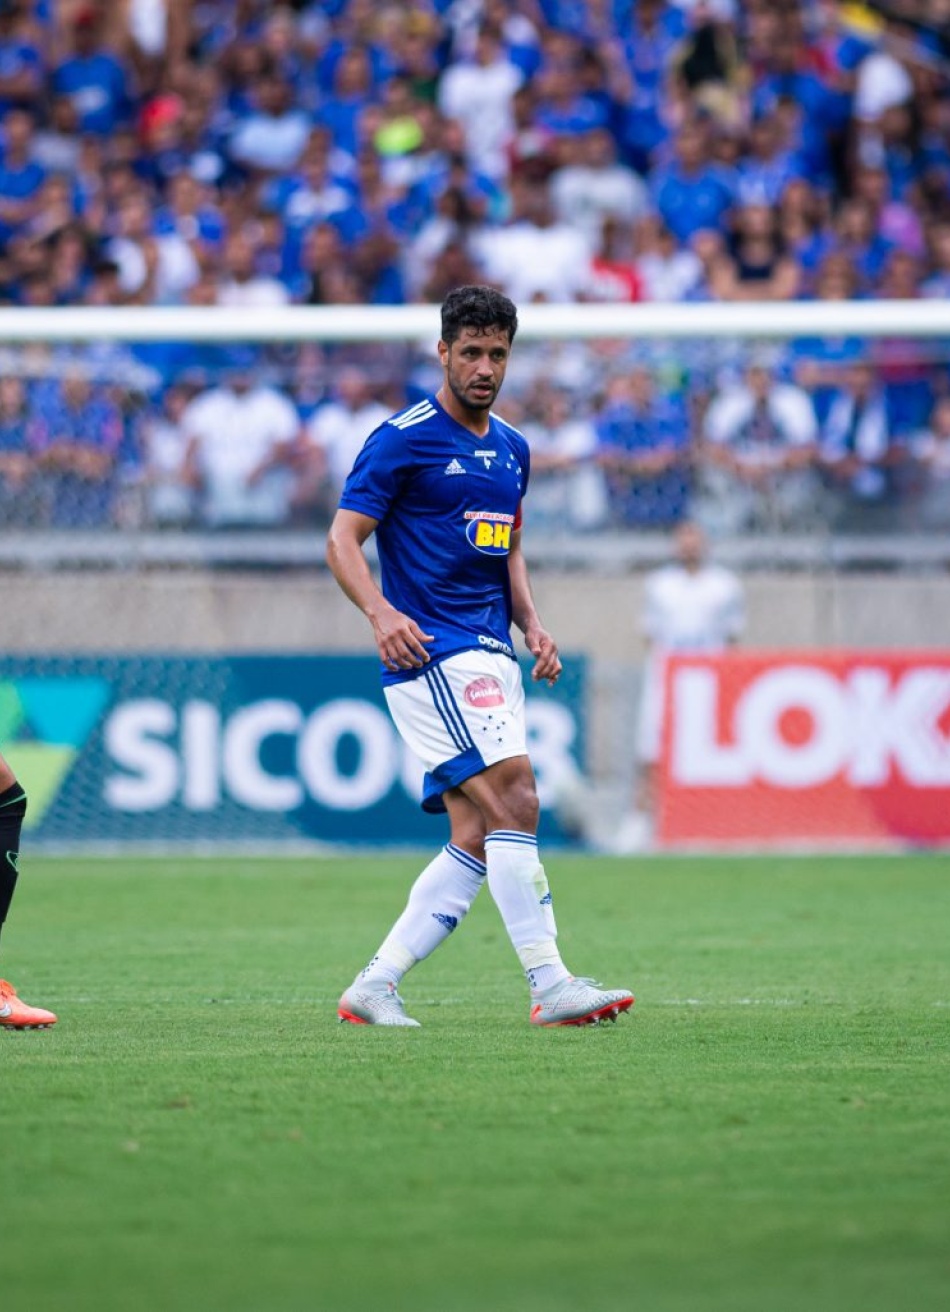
(378, 473)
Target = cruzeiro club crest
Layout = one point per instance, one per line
(44, 724)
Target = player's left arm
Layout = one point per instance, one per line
(547, 662)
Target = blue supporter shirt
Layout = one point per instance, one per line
(18, 57)
(689, 202)
(447, 503)
(96, 84)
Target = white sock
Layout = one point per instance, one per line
(438, 901)
(519, 886)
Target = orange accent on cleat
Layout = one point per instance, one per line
(348, 1016)
(16, 1015)
(579, 1002)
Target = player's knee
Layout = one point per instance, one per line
(518, 805)
(470, 839)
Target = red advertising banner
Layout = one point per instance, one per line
(806, 747)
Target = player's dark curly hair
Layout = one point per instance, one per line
(482, 308)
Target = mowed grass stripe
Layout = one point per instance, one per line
(768, 1130)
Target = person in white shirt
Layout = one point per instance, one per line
(594, 185)
(568, 493)
(151, 268)
(242, 285)
(247, 458)
(666, 272)
(535, 257)
(759, 454)
(479, 95)
(339, 427)
(689, 605)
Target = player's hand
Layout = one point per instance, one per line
(547, 662)
(400, 641)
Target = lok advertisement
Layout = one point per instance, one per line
(807, 748)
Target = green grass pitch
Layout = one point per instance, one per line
(768, 1131)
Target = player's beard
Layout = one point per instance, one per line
(477, 401)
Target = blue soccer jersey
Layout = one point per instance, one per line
(447, 503)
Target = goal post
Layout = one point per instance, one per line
(410, 323)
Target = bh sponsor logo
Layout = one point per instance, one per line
(799, 726)
(344, 755)
(489, 532)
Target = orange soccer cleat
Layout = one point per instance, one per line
(16, 1015)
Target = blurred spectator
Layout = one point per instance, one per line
(21, 177)
(56, 143)
(78, 436)
(457, 220)
(613, 274)
(708, 63)
(534, 257)
(937, 283)
(802, 220)
(767, 166)
(193, 217)
(530, 148)
(689, 192)
(247, 460)
(567, 486)
(348, 97)
(758, 456)
(241, 284)
(882, 81)
(565, 104)
(893, 218)
(859, 457)
(93, 78)
(666, 271)
(272, 137)
(592, 185)
(375, 264)
(167, 493)
(338, 428)
(452, 267)
(319, 188)
(19, 502)
(756, 267)
(22, 74)
(929, 507)
(151, 268)
(643, 448)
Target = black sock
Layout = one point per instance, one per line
(12, 811)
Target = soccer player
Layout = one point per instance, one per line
(441, 485)
(14, 1014)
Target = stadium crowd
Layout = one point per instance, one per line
(246, 154)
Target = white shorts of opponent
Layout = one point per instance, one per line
(459, 716)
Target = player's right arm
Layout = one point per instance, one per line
(399, 639)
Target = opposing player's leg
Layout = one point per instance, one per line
(438, 902)
(506, 796)
(14, 1013)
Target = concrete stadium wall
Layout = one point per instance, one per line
(598, 615)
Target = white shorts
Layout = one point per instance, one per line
(459, 716)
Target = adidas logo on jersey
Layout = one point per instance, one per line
(455, 467)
